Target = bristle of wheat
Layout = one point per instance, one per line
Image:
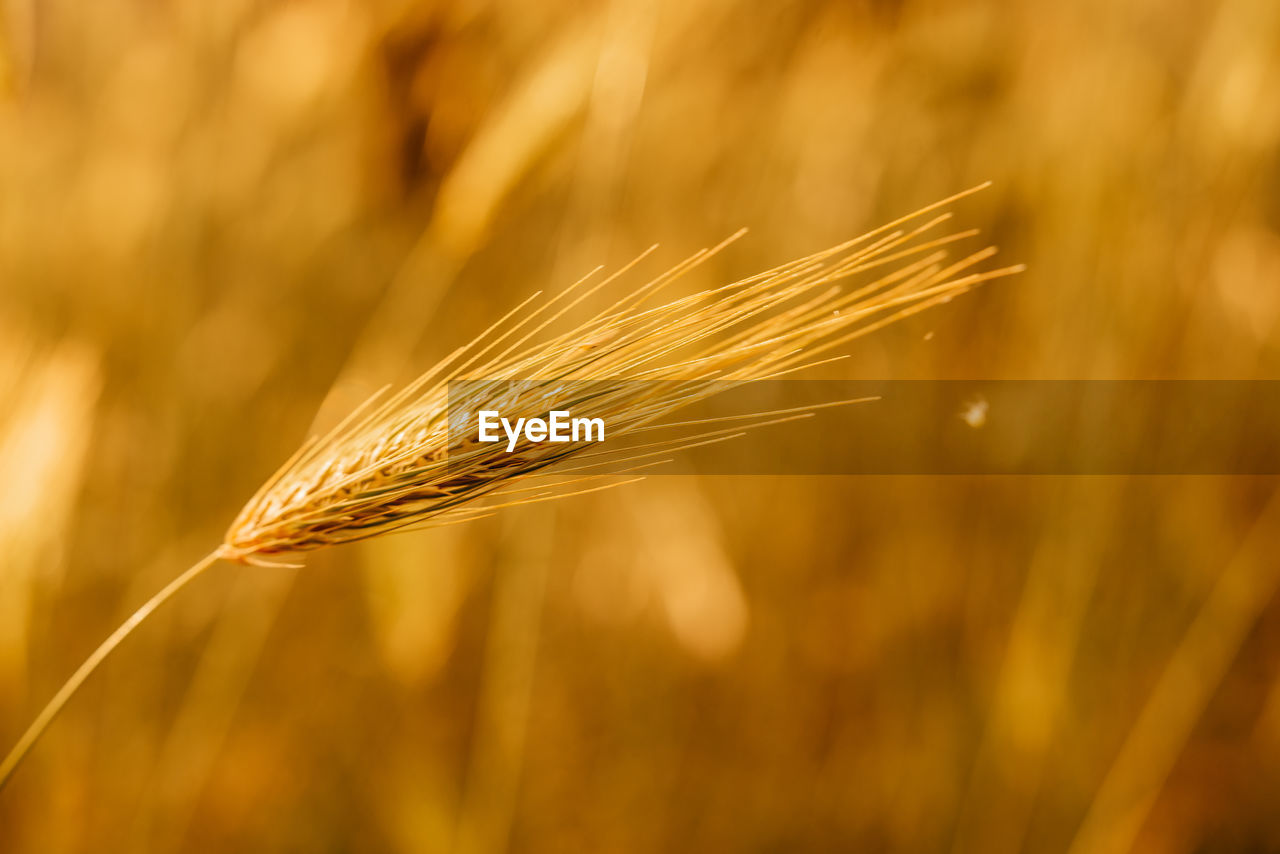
(395, 464)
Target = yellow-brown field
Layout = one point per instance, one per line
(224, 222)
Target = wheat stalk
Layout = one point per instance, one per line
(395, 463)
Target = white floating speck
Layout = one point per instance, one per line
(974, 412)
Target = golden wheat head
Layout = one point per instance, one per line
(396, 464)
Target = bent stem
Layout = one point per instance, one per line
(69, 688)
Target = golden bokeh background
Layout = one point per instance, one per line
(218, 219)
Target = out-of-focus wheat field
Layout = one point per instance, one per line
(222, 223)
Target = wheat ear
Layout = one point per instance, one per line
(394, 463)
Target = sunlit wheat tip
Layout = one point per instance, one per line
(396, 463)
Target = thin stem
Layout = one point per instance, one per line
(69, 688)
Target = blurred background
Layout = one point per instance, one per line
(222, 223)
